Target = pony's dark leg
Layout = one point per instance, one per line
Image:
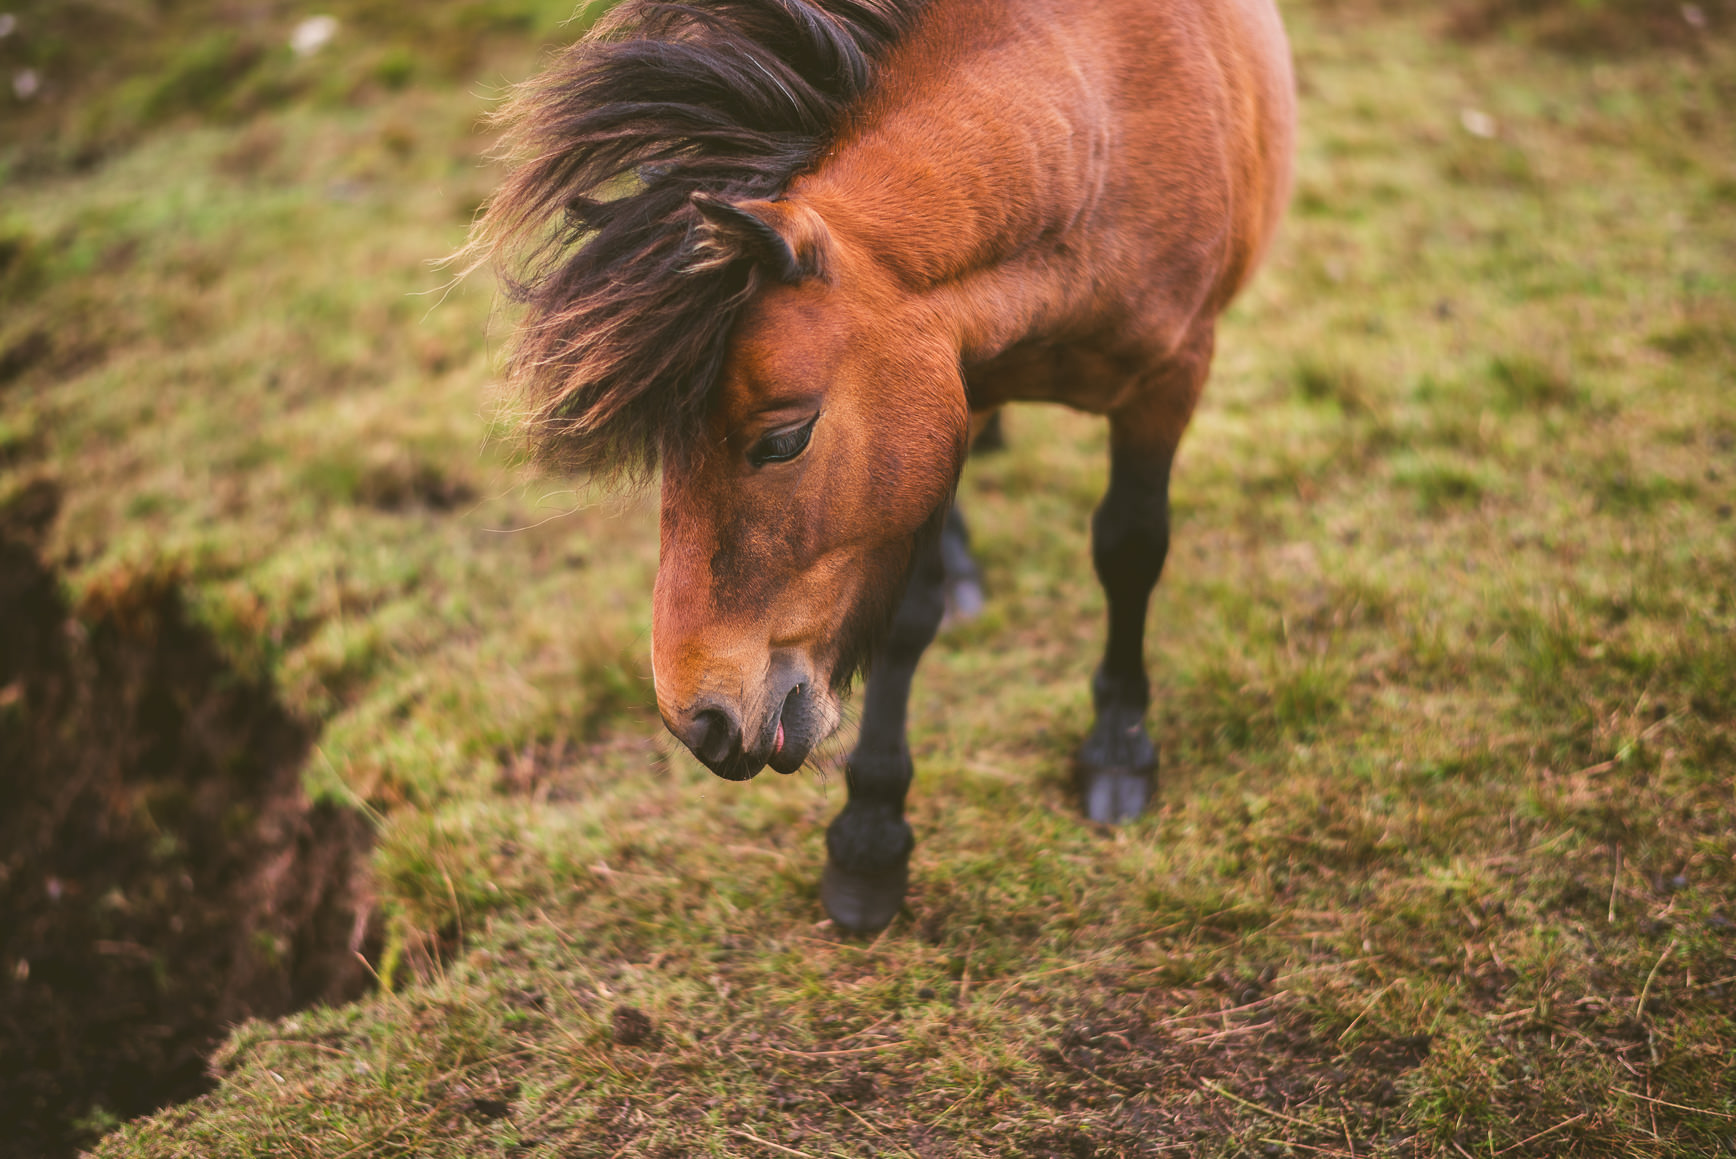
(868, 844)
(964, 583)
(1117, 765)
(1129, 539)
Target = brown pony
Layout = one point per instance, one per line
(792, 251)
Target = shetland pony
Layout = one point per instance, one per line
(790, 252)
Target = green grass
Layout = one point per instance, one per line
(1444, 660)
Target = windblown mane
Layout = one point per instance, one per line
(625, 332)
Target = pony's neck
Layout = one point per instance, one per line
(966, 209)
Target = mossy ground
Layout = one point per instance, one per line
(1444, 659)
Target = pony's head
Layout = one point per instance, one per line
(685, 311)
(830, 445)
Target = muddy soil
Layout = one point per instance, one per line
(162, 874)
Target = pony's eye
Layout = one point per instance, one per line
(781, 446)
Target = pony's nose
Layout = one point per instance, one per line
(713, 734)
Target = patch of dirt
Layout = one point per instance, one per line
(1194, 1079)
(394, 480)
(563, 769)
(1606, 28)
(631, 1026)
(20, 355)
(162, 874)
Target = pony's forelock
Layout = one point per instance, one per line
(625, 333)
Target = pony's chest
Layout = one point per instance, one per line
(1088, 375)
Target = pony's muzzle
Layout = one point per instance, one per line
(794, 720)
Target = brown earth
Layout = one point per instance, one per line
(162, 874)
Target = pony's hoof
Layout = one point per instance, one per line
(1117, 768)
(964, 602)
(1112, 796)
(863, 903)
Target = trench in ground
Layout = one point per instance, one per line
(162, 874)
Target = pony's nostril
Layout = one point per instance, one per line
(715, 737)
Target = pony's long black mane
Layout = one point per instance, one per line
(624, 337)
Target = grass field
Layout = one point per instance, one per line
(1444, 661)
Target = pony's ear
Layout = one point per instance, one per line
(787, 239)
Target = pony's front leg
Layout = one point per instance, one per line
(1117, 766)
(868, 845)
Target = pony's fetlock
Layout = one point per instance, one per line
(869, 839)
(1119, 694)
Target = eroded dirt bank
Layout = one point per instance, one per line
(162, 874)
